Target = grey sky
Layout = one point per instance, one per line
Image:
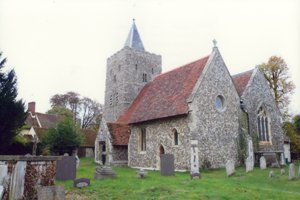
(57, 46)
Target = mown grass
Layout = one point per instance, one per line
(214, 184)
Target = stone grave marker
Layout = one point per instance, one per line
(51, 193)
(230, 169)
(282, 171)
(292, 171)
(262, 163)
(1, 191)
(81, 182)
(142, 173)
(167, 165)
(195, 173)
(249, 164)
(66, 168)
(271, 174)
(104, 172)
(299, 172)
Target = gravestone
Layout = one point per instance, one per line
(271, 174)
(262, 163)
(194, 160)
(299, 172)
(282, 171)
(282, 161)
(81, 182)
(292, 171)
(3, 172)
(16, 188)
(142, 173)
(230, 169)
(66, 168)
(104, 172)
(51, 193)
(167, 165)
(77, 161)
(1, 191)
(249, 164)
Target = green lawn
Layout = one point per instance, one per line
(213, 185)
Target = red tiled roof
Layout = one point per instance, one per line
(241, 80)
(89, 138)
(120, 133)
(46, 120)
(166, 95)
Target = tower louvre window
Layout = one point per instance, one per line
(115, 78)
(144, 77)
(152, 71)
(111, 100)
(135, 66)
(117, 97)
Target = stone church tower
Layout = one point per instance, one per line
(127, 72)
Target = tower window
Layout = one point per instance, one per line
(111, 100)
(135, 66)
(117, 97)
(115, 78)
(144, 77)
(152, 71)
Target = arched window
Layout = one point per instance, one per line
(144, 77)
(263, 125)
(143, 139)
(176, 137)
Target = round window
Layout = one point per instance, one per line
(219, 103)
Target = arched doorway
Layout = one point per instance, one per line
(161, 150)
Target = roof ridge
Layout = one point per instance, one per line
(244, 72)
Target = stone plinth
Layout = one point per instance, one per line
(104, 172)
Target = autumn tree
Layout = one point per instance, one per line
(293, 132)
(12, 114)
(277, 74)
(83, 108)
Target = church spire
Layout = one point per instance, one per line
(133, 39)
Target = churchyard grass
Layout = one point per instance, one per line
(214, 184)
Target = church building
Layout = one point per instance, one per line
(149, 113)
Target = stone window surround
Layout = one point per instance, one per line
(262, 113)
(142, 144)
(222, 98)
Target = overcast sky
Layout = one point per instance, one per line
(56, 46)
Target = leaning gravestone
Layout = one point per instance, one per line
(81, 182)
(292, 171)
(230, 169)
(51, 193)
(66, 168)
(167, 165)
(262, 162)
(104, 172)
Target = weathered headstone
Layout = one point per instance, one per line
(292, 171)
(104, 172)
(77, 161)
(282, 161)
(16, 189)
(262, 163)
(249, 164)
(66, 168)
(167, 165)
(230, 169)
(3, 172)
(299, 172)
(195, 173)
(81, 182)
(271, 174)
(282, 171)
(1, 191)
(51, 193)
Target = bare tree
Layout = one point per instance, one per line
(91, 110)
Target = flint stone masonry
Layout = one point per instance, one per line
(216, 130)
(160, 133)
(230, 169)
(262, 163)
(124, 79)
(256, 95)
(292, 174)
(51, 193)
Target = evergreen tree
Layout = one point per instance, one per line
(12, 114)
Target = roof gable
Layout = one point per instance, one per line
(43, 120)
(241, 81)
(166, 95)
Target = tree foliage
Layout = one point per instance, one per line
(292, 130)
(277, 74)
(12, 114)
(83, 108)
(67, 113)
(64, 138)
